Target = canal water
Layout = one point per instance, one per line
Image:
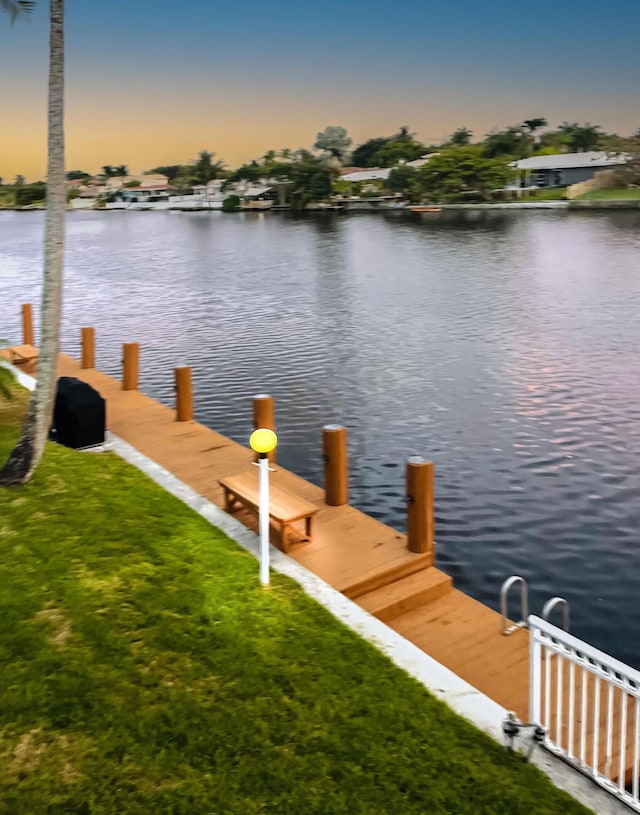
(505, 346)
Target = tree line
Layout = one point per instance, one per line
(457, 167)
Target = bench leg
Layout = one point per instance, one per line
(282, 539)
(307, 526)
(229, 500)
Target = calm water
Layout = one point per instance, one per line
(505, 347)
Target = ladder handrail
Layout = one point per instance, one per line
(524, 604)
(551, 604)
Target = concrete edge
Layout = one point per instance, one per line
(460, 696)
(23, 379)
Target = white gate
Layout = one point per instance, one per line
(589, 705)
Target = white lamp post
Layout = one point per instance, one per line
(263, 441)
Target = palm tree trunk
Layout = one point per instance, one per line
(27, 454)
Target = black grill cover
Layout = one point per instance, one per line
(79, 415)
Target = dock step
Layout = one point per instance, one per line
(406, 594)
(409, 564)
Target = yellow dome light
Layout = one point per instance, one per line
(263, 440)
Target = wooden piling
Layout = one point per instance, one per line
(336, 465)
(264, 415)
(27, 325)
(88, 348)
(420, 481)
(130, 366)
(184, 395)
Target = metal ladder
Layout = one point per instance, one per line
(507, 627)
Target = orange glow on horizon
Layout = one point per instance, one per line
(145, 130)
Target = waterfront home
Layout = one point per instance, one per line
(87, 198)
(211, 191)
(420, 162)
(367, 174)
(121, 190)
(564, 169)
(140, 180)
(139, 195)
(138, 188)
(259, 197)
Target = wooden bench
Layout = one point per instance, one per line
(24, 357)
(285, 508)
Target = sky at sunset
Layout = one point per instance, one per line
(154, 82)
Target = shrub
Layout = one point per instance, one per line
(31, 194)
(231, 203)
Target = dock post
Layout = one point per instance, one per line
(336, 465)
(88, 348)
(420, 506)
(264, 415)
(130, 366)
(27, 324)
(184, 395)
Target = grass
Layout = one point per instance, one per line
(6, 377)
(145, 672)
(7, 198)
(550, 194)
(612, 194)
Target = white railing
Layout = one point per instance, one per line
(589, 705)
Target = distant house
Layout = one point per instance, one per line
(257, 197)
(380, 173)
(564, 169)
(140, 188)
(144, 180)
(150, 192)
(420, 162)
(368, 174)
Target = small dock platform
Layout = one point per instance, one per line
(24, 357)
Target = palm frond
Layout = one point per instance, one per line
(17, 8)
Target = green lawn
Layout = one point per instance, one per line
(544, 194)
(145, 672)
(613, 194)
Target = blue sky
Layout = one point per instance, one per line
(155, 81)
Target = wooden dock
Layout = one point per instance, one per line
(367, 561)
(356, 554)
